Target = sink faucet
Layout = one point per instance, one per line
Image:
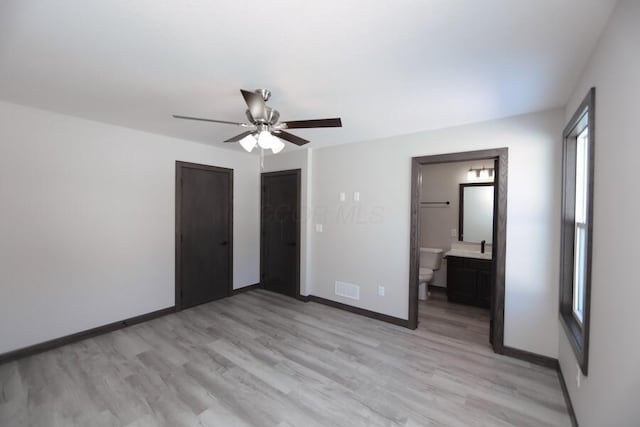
(482, 246)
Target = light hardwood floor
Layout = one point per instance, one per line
(261, 359)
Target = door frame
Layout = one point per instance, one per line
(500, 156)
(298, 174)
(180, 166)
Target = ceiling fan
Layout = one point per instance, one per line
(265, 129)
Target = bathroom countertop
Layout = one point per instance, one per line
(468, 254)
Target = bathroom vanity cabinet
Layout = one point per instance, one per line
(469, 281)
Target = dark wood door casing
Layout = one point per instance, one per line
(497, 275)
(204, 233)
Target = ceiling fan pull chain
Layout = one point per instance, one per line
(261, 159)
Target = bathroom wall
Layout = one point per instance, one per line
(439, 223)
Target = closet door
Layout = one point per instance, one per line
(204, 233)
(280, 232)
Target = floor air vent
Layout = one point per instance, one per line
(347, 290)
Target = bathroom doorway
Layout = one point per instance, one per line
(458, 241)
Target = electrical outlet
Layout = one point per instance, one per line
(381, 291)
(454, 232)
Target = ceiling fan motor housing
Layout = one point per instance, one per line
(264, 93)
(271, 117)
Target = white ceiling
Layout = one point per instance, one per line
(385, 67)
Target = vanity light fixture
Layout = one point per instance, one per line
(473, 174)
(480, 173)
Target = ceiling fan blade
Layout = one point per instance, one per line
(209, 120)
(239, 137)
(290, 137)
(256, 104)
(320, 123)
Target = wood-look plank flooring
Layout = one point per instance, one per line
(262, 359)
(462, 322)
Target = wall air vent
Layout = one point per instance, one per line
(347, 290)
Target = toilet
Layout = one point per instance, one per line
(430, 260)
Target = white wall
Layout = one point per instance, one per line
(298, 159)
(441, 182)
(87, 222)
(609, 395)
(371, 247)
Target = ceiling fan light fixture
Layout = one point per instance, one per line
(276, 145)
(248, 142)
(265, 139)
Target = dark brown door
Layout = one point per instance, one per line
(280, 224)
(204, 227)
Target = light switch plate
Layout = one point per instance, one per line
(319, 228)
(356, 196)
(342, 196)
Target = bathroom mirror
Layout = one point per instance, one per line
(476, 212)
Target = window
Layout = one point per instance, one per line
(577, 220)
(580, 224)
